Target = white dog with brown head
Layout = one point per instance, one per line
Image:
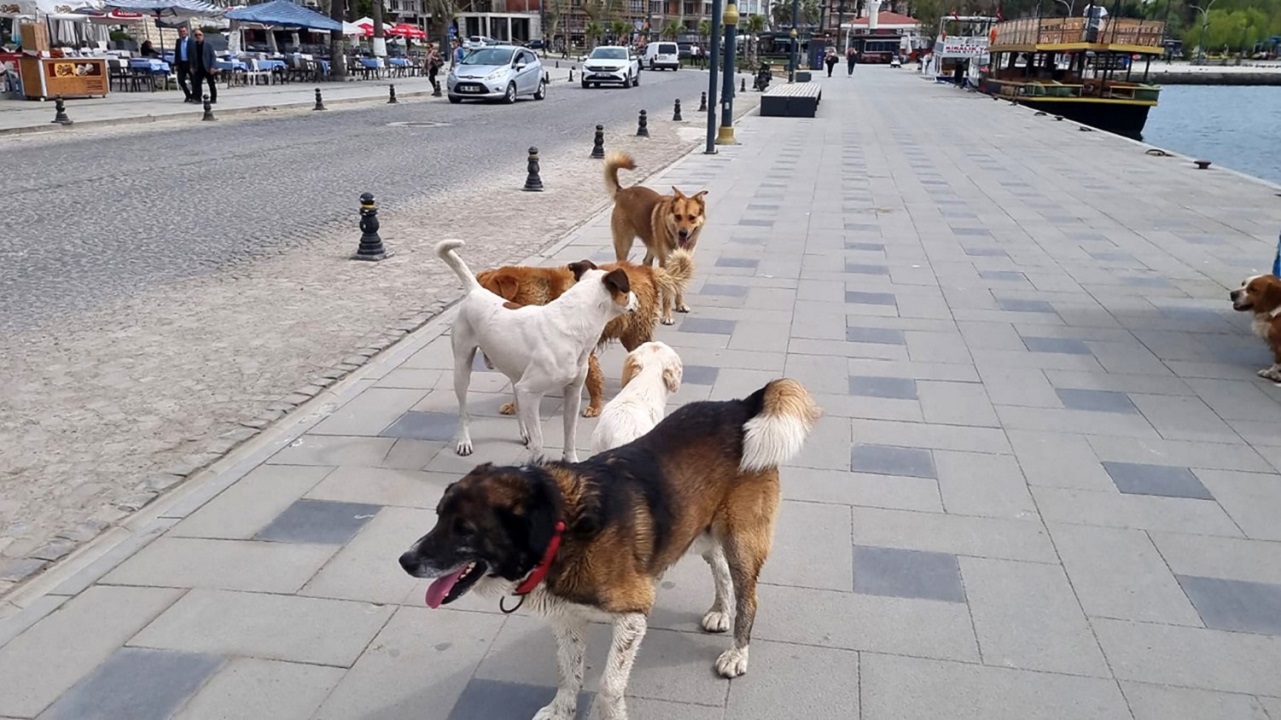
(650, 373)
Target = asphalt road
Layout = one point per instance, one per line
(93, 219)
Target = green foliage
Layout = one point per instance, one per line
(621, 30)
(593, 32)
(704, 28)
(756, 24)
(671, 30)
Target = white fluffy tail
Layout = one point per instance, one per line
(779, 429)
(445, 250)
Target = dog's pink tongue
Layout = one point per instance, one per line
(437, 591)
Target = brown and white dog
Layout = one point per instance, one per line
(583, 541)
(665, 223)
(652, 287)
(1261, 295)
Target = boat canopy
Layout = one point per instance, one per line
(1071, 34)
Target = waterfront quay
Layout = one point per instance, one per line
(1045, 487)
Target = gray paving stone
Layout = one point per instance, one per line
(252, 502)
(247, 688)
(709, 326)
(699, 375)
(1118, 573)
(906, 688)
(54, 654)
(1191, 657)
(733, 262)
(1095, 400)
(417, 666)
(1235, 605)
(883, 387)
(937, 437)
(364, 570)
(1027, 306)
(423, 426)
(1064, 346)
(874, 336)
(983, 484)
(1162, 480)
(1142, 512)
(772, 694)
(951, 403)
(1003, 275)
(887, 460)
(334, 450)
(1187, 453)
(870, 298)
(847, 488)
(135, 684)
(865, 246)
(866, 269)
(487, 699)
(907, 573)
(1156, 702)
(223, 564)
(811, 541)
(318, 521)
(1224, 557)
(1026, 616)
(724, 290)
(382, 486)
(271, 627)
(369, 412)
(1253, 500)
(956, 534)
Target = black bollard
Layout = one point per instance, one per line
(435, 88)
(557, 64)
(742, 85)
(534, 181)
(371, 243)
(642, 125)
(676, 113)
(320, 104)
(391, 95)
(571, 73)
(60, 112)
(547, 77)
(598, 144)
(702, 103)
(208, 116)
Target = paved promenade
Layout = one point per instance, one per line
(1046, 485)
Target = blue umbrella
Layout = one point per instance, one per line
(167, 8)
(283, 13)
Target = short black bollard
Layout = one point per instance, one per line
(557, 64)
(320, 104)
(534, 181)
(742, 85)
(391, 95)
(208, 116)
(60, 112)
(1201, 164)
(598, 144)
(676, 112)
(435, 88)
(371, 243)
(547, 77)
(642, 125)
(1058, 118)
(702, 102)
(571, 73)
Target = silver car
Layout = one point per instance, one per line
(611, 64)
(497, 72)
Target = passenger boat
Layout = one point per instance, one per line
(960, 49)
(1083, 68)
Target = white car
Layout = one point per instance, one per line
(663, 55)
(611, 64)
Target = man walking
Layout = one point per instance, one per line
(182, 63)
(203, 70)
(851, 59)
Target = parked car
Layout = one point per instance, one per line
(497, 72)
(611, 64)
(537, 44)
(478, 41)
(662, 55)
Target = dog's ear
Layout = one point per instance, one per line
(630, 368)
(502, 284)
(580, 267)
(699, 196)
(1270, 297)
(677, 192)
(672, 376)
(617, 281)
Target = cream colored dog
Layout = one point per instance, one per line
(650, 373)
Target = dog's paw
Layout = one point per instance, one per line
(464, 448)
(1272, 373)
(607, 709)
(591, 411)
(732, 663)
(716, 621)
(669, 320)
(507, 409)
(570, 456)
(555, 712)
(524, 438)
(682, 308)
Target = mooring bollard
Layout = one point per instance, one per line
(1085, 129)
(371, 243)
(642, 125)
(1039, 113)
(391, 95)
(1058, 118)
(676, 112)
(598, 144)
(320, 104)
(1201, 164)
(208, 116)
(702, 102)
(534, 181)
(60, 112)
(571, 73)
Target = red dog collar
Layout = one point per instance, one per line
(545, 565)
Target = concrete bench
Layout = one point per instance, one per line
(798, 99)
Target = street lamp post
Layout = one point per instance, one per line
(714, 55)
(791, 66)
(1205, 25)
(726, 136)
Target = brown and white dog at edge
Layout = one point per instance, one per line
(578, 542)
(664, 223)
(539, 348)
(1261, 296)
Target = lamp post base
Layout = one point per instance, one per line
(725, 136)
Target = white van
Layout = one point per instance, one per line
(662, 55)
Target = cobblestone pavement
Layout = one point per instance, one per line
(1045, 488)
(163, 286)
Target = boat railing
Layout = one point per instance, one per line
(1072, 30)
(1113, 90)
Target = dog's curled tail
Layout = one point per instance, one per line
(613, 162)
(679, 271)
(786, 416)
(445, 249)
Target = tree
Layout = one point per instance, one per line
(338, 64)
(553, 14)
(622, 31)
(781, 15)
(592, 32)
(379, 36)
(755, 26)
(704, 31)
(443, 13)
(672, 29)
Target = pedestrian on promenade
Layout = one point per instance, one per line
(182, 63)
(202, 67)
(830, 59)
(459, 53)
(851, 59)
(433, 64)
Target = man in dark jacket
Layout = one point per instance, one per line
(182, 63)
(201, 62)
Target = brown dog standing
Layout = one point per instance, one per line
(665, 223)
